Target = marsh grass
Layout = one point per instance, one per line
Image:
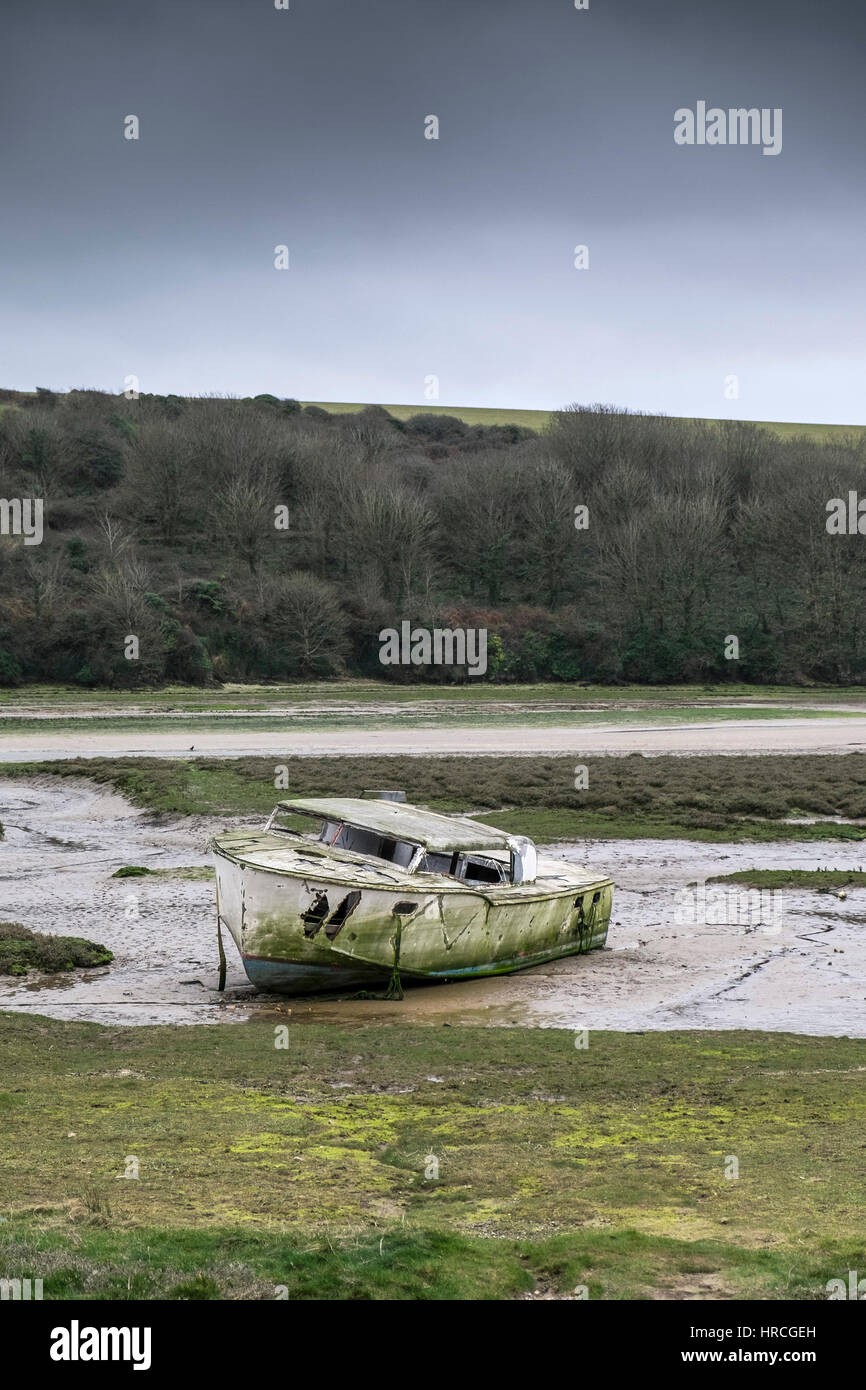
(708, 798)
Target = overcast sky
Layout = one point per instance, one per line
(453, 258)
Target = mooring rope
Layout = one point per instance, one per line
(395, 988)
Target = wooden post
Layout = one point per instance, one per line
(222, 979)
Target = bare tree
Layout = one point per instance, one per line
(163, 477)
(307, 620)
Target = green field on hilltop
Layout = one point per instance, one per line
(427, 1162)
(540, 419)
(471, 415)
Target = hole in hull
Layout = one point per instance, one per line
(315, 914)
(341, 912)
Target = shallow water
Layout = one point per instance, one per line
(802, 968)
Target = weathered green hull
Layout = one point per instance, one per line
(308, 922)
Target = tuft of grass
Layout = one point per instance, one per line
(822, 880)
(131, 871)
(22, 950)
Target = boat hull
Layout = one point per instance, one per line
(300, 933)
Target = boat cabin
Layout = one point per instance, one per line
(420, 842)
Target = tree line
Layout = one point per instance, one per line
(256, 539)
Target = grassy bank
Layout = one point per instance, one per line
(311, 1166)
(703, 798)
(310, 694)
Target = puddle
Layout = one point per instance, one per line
(65, 838)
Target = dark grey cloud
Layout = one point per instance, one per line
(453, 257)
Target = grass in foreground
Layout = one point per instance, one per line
(310, 1166)
(94, 1263)
(703, 798)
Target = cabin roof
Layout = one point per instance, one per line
(404, 822)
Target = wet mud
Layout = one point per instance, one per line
(673, 959)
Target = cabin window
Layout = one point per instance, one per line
(474, 870)
(362, 841)
(595, 897)
(431, 863)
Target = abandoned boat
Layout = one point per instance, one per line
(346, 893)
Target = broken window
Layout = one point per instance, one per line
(289, 823)
(436, 863)
(481, 871)
(362, 841)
